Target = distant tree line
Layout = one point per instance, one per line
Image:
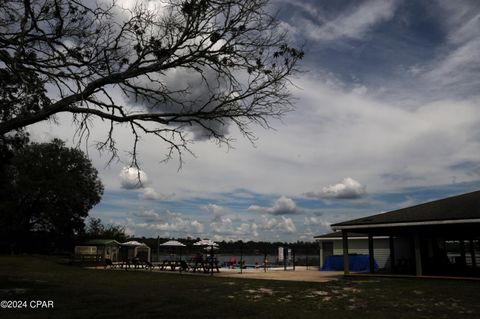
(237, 247)
(96, 229)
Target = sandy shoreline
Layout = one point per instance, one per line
(299, 274)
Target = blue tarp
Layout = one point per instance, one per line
(358, 263)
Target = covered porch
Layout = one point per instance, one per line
(439, 238)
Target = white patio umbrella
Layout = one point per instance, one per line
(174, 243)
(209, 244)
(206, 242)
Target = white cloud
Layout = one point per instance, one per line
(354, 23)
(225, 229)
(268, 223)
(348, 188)
(287, 225)
(282, 206)
(130, 4)
(308, 234)
(148, 216)
(222, 226)
(132, 178)
(454, 69)
(316, 221)
(271, 224)
(214, 209)
(460, 64)
(175, 223)
(188, 86)
(249, 229)
(149, 193)
(360, 90)
(196, 226)
(130, 227)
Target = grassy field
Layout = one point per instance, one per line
(85, 293)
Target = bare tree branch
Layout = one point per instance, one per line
(192, 65)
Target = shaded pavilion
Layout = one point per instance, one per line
(431, 230)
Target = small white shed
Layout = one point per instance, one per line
(98, 250)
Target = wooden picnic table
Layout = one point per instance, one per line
(209, 265)
(203, 265)
(169, 264)
(197, 265)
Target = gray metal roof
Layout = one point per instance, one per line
(338, 235)
(457, 208)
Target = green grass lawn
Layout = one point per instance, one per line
(85, 293)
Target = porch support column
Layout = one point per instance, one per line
(472, 253)
(371, 257)
(321, 254)
(346, 263)
(462, 252)
(418, 254)
(391, 243)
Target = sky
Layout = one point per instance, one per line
(386, 116)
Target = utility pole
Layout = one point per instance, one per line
(241, 257)
(158, 248)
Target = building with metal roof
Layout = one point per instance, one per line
(443, 236)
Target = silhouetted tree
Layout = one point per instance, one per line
(186, 66)
(96, 229)
(51, 189)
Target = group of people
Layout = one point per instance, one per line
(232, 263)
